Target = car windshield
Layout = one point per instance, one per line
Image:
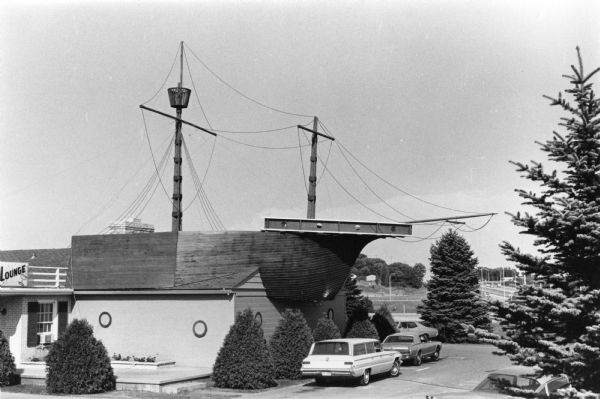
(497, 382)
(330, 348)
(398, 338)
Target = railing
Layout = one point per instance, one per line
(47, 277)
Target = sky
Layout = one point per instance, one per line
(428, 102)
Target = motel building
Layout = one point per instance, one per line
(175, 295)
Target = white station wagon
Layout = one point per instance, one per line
(349, 358)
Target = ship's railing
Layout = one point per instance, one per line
(47, 277)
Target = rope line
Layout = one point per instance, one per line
(166, 78)
(239, 92)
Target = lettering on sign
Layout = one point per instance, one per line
(13, 274)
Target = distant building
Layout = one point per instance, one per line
(130, 226)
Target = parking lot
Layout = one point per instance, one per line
(460, 368)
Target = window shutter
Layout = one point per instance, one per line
(63, 317)
(32, 320)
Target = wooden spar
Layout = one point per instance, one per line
(476, 215)
(175, 118)
(312, 179)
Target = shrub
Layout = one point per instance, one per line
(244, 361)
(78, 363)
(326, 329)
(362, 329)
(290, 344)
(8, 371)
(383, 322)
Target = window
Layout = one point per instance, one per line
(330, 348)
(46, 314)
(360, 349)
(399, 338)
(46, 319)
(370, 347)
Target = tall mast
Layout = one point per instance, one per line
(179, 98)
(312, 178)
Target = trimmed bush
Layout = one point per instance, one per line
(78, 363)
(326, 329)
(383, 322)
(363, 329)
(290, 344)
(244, 361)
(8, 371)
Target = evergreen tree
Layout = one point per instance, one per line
(452, 297)
(362, 329)
(556, 323)
(78, 363)
(326, 329)
(244, 361)
(8, 371)
(290, 344)
(383, 322)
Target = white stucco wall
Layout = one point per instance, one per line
(162, 325)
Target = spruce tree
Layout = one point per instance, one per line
(452, 297)
(326, 329)
(362, 329)
(78, 363)
(244, 361)
(8, 371)
(556, 322)
(290, 344)
(383, 322)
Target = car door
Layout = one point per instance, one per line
(362, 360)
(426, 347)
(386, 358)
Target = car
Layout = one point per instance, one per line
(521, 377)
(413, 346)
(417, 327)
(353, 358)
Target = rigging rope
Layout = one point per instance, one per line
(391, 184)
(153, 160)
(166, 78)
(239, 92)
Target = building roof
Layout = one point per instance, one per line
(57, 257)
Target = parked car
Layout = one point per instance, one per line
(415, 326)
(349, 358)
(413, 346)
(522, 377)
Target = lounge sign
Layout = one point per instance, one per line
(13, 274)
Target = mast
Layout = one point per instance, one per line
(312, 178)
(179, 98)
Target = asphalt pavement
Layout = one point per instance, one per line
(460, 368)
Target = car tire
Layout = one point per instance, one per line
(436, 355)
(395, 370)
(366, 377)
(418, 360)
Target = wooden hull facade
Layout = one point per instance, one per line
(293, 267)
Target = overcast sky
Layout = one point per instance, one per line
(435, 97)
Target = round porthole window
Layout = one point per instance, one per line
(105, 319)
(330, 314)
(199, 329)
(258, 318)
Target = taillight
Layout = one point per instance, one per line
(305, 362)
(348, 363)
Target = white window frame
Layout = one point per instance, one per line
(53, 333)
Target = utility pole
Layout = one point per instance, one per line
(312, 178)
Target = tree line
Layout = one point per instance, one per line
(400, 273)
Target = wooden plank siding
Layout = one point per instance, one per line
(124, 261)
(293, 267)
(270, 310)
